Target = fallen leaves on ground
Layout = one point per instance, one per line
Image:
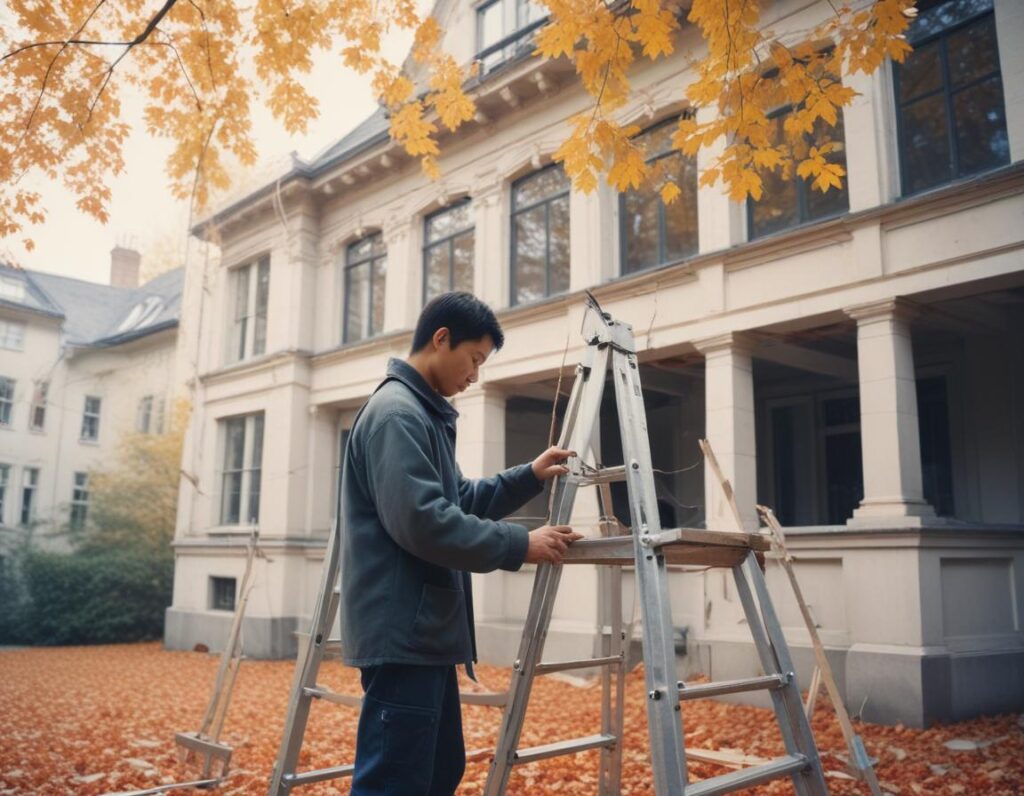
(95, 720)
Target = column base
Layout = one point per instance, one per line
(894, 513)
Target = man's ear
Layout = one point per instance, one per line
(442, 336)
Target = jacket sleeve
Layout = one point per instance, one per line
(406, 489)
(496, 497)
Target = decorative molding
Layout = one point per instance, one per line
(728, 342)
(893, 307)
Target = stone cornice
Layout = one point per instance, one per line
(257, 365)
(891, 307)
(728, 341)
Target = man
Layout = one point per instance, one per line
(412, 530)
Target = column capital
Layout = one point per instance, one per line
(883, 309)
(740, 342)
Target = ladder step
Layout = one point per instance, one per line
(563, 748)
(319, 775)
(605, 475)
(319, 692)
(583, 663)
(748, 777)
(702, 690)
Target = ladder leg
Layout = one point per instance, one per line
(612, 693)
(307, 666)
(531, 647)
(774, 655)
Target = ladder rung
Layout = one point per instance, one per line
(748, 777)
(319, 775)
(583, 663)
(563, 748)
(319, 692)
(702, 690)
(605, 475)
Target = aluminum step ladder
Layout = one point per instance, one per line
(649, 549)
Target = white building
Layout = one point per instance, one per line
(80, 364)
(856, 358)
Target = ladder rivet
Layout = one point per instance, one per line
(655, 695)
(516, 664)
(635, 464)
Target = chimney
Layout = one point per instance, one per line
(124, 267)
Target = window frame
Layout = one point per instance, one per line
(662, 258)
(250, 472)
(79, 504)
(249, 343)
(449, 241)
(515, 211)
(372, 261)
(519, 33)
(7, 326)
(94, 416)
(948, 94)
(7, 401)
(29, 489)
(218, 586)
(5, 481)
(147, 402)
(37, 411)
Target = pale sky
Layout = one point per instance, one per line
(142, 210)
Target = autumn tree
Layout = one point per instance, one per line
(66, 65)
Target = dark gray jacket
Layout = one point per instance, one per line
(413, 528)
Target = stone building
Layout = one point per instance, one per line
(855, 358)
(80, 364)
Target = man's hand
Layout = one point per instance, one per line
(549, 543)
(550, 463)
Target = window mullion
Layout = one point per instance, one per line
(246, 480)
(954, 155)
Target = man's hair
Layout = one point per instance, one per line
(465, 316)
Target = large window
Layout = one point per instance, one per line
(240, 479)
(653, 233)
(37, 412)
(365, 277)
(503, 29)
(29, 487)
(12, 335)
(149, 415)
(249, 328)
(951, 117)
(448, 251)
(540, 235)
(5, 481)
(6, 400)
(91, 419)
(788, 199)
(79, 500)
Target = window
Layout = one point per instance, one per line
(12, 335)
(365, 274)
(29, 484)
(249, 328)
(243, 453)
(91, 419)
(950, 114)
(502, 30)
(79, 500)
(936, 449)
(222, 594)
(12, 289)
(144, 414)
(5, 480)
(159, 407)
(37, 413)
(540, 235)
(653, 233)
(448, 251)
(6, 400)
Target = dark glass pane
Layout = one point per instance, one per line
(681, 215)
(441, 225)
(259, 344)
(242, 293)
(257, 442)
(657, 140)
(356, 301)
(559, 246)
(981, 138)
(841, 411)
(462, 249)
(925, 149)
(234, 444)
(640, 229)
(254, 497)
(379, 280)
(972, 51)
(844, 477)
(544, 183)
(921, 73)
(489, 25)
(834, 200)
(528, 258)
(936, 452)
(231, 502)
(777, 208)
(366, 248)
(436, 265)
(936, 17)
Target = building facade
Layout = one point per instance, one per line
(855, 358)
(81, 363)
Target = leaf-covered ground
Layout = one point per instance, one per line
(96, 720)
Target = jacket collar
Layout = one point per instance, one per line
(402, 371)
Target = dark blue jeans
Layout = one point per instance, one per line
(409, 741)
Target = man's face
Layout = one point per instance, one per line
(456, 368)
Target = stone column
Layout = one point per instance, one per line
(402, 290)
(720, 221)
(729, 427)
(890, 439)
(490, 252)
(480, 451)
(592, 236)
